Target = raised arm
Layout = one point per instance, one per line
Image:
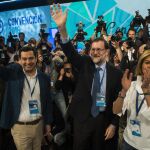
(60, 19)
(126, 82)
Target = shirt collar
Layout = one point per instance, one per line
(138, 86)
(139, 83)
(34, 76)
(102, 66)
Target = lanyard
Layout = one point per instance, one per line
(102, 79)
(138, 106)
(30, 87)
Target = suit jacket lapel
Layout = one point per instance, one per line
(41, 84)
(21, 84)
(108, 82)
(91, 75)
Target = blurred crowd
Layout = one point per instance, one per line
(64, 76)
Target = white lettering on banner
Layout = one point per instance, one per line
(25, 20)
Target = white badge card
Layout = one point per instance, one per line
(44, 47)
(33, 107)
(52, 83)
(136, 128)
(100, 101)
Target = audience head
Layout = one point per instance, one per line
(143, 63)
(21, 36)
(99, 51)
(32, 42)
(28, 58)
(131, 34)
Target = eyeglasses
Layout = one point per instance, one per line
(97, 49)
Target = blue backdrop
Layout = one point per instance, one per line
(28, 20)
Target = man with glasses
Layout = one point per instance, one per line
(97, 87)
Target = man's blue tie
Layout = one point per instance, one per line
(96, 89)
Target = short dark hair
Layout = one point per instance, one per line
(21, 33)
(101, 39)
(16, 58)
(131, 29)
(27, 49)
(119, 31)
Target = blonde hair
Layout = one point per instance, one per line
(141, 60)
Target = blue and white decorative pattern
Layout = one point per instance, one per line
(120, 12)
(25, 20)
(1, 26)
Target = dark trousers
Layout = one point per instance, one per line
(89, 135)
(126, 146)
(6, 140)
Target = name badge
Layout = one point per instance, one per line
(44, 47)
(33, 107)
(136, 128)
(52, 83)
(100, 101)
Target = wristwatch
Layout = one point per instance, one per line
(120, 95)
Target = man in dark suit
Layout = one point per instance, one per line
(95, 126)
(27, 102)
